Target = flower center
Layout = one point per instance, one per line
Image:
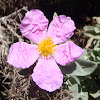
(46, 47)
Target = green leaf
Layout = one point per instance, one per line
(96, 95)
(98, 50)
(97, 30)
(83, 67)
(88, 28)
(97, 44)
(2, 93)
(74, 80)
(92, 36)
(12, 38)
(79, 68)
(97, 19)
(84, 95)
(74, 89)
(84, 55)
(55, 15)
(94, 55)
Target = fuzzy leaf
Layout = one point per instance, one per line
(55, 15)
(75, 79)
(86, 67)
(79, 68)
(97, 19)
(84, 95)
(88, 28)
(97, 30)
(74, 89)
(96, 95)
(92, 36)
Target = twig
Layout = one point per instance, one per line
(12, 14)
(5, 78)
(14, 33)
(61, 93)
(1, 37)
(5, 18)
(89, 44)
(48, 96)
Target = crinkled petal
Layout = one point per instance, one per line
(34, 26)
(22, 55)
(47, 74)
(61, 29)
(67, 53)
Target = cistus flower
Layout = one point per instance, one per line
(50, 48)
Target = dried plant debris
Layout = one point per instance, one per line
(16, 87)
(12, 87)
(9, 6)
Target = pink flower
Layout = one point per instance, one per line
(50, 48)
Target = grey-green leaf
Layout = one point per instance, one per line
(80, 67)
(88, 28)
(84, 67)
(91, 35)
(55, 15)
(97, 30)
(84, 95)
(74, 89)
(97, 19)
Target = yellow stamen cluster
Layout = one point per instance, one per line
(46, 47)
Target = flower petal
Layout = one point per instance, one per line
(67, 53)
(61, 29)
(34, 26)
(47, 74)
(22, 55)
